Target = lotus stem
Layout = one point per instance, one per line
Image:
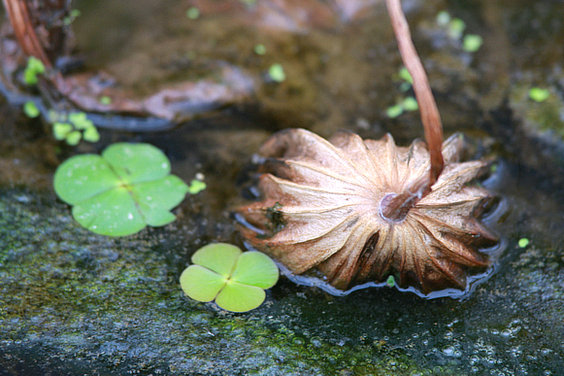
(396, 207)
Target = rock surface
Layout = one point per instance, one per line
(76, 303)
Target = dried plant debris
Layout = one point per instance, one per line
(323, 204)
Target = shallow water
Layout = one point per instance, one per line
(113, 306)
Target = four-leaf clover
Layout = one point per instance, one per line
(236, 280)
(120, 192)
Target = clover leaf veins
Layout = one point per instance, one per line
(235, 279)
(120, 192)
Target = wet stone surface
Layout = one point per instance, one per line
(72, 302)
(114, 306)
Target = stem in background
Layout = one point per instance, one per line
(429, 113)
(20, 19)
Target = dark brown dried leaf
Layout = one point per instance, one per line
(321, 209)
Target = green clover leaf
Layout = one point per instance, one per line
(122, 191)
(236, 280)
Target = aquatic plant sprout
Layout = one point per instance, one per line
(72, 127)
(404, 104)
(34, 68)
(196, 186)
(235, 280)
(260, 49)
(120, 192)
(539, 94)
(472, 42)
(523, 243)
(193, 13)
(276, 73)
(30, 109)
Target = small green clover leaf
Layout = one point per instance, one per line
(120, 192)
(235, 280)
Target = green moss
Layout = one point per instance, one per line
(539, 116)
(116, 305)
(71, 289)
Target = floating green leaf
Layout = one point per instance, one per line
(73, 15)
(456, 28)
(196, 186)
(218, 257)
(73, 138)
(61, 130)
(30, 109)
(443, 18)
(122, 191)
(260, 49)
(236, 280)
(249, 3)
(73, 127)
(80, 120)
(34, 67)
(276, 73)
(91, 134)
(523, 242)
(472, 42)
(538, 94)
(105, 100)
(193, 13)
(405, 75)
(394, 111)
(409, 104)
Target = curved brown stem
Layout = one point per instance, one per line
(18, 13)
(395, 207)
(429, 113)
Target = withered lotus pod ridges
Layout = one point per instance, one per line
(322, 208)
